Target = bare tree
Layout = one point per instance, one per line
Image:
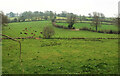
(96, 20)
(102, 17)
(71, 19)
(90, 15)
(116, 21)
(52, 16)
(83, 17)
(80, 18)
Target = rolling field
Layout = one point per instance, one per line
(58, 56)
(14, 30)
(81, 25)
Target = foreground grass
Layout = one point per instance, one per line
(50, 56)
(14, 30)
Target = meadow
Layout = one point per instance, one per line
(18, 30)
(103, 27)
(58, 56)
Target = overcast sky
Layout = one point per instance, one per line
(83, 7)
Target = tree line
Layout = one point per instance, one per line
(36, 15)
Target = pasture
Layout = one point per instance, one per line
(18, 30)
(58, 56)
(102, 27)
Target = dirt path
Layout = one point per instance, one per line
(75, 29)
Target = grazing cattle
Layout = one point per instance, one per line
(25, 28)
(30, 27)
(41, 32)
(26, 33)
(31, 33)
(37, 38)
(20, 32)
(34, 34)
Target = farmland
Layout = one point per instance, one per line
(14, 29)
(59, 37)
(102, 27)
(58, 56)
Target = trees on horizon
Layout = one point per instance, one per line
(38, 15)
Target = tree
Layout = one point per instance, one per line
(47, 13)
(36, 14)
(71, 19)
(11, 14)
(52, 16)
(80, 18)
(22, 18)
(26, 15)
(48, 32)
(90, 15)
(96, 20)
(63, 14)
(41, 13)
(102, 17)
(4, 18)
(15, 20)
(46, 17)
(41, 17)
(83, 18)
(116, 21)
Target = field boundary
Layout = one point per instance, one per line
(86, 29)
(84, 22)
(57, 38)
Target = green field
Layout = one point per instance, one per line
(16, 28)
(58, 56)
(102, 27)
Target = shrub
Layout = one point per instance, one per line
(48, 31)
(73, 27)
(110, 31)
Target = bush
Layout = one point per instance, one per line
(48, 31)
(110, 31)
(73, 27)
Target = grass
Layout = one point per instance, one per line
(51, 56)
(58, 56)
(17, 28)
(103, 27)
